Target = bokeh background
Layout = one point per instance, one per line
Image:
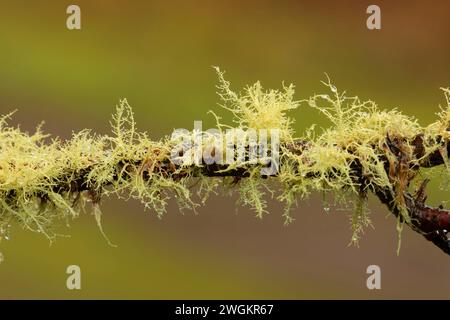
(159, 56)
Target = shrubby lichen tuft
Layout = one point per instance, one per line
(44, 183)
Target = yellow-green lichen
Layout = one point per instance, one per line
(44, 181)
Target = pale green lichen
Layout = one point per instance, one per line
(40, 179)
(257, 108)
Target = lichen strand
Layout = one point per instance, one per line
(44, 182)
(380, 143)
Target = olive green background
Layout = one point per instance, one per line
(159, 56)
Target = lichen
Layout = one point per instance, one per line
(45, 181)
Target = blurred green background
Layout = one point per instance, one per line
(159, 56)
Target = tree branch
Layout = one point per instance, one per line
(431, 223)
(365, 150)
